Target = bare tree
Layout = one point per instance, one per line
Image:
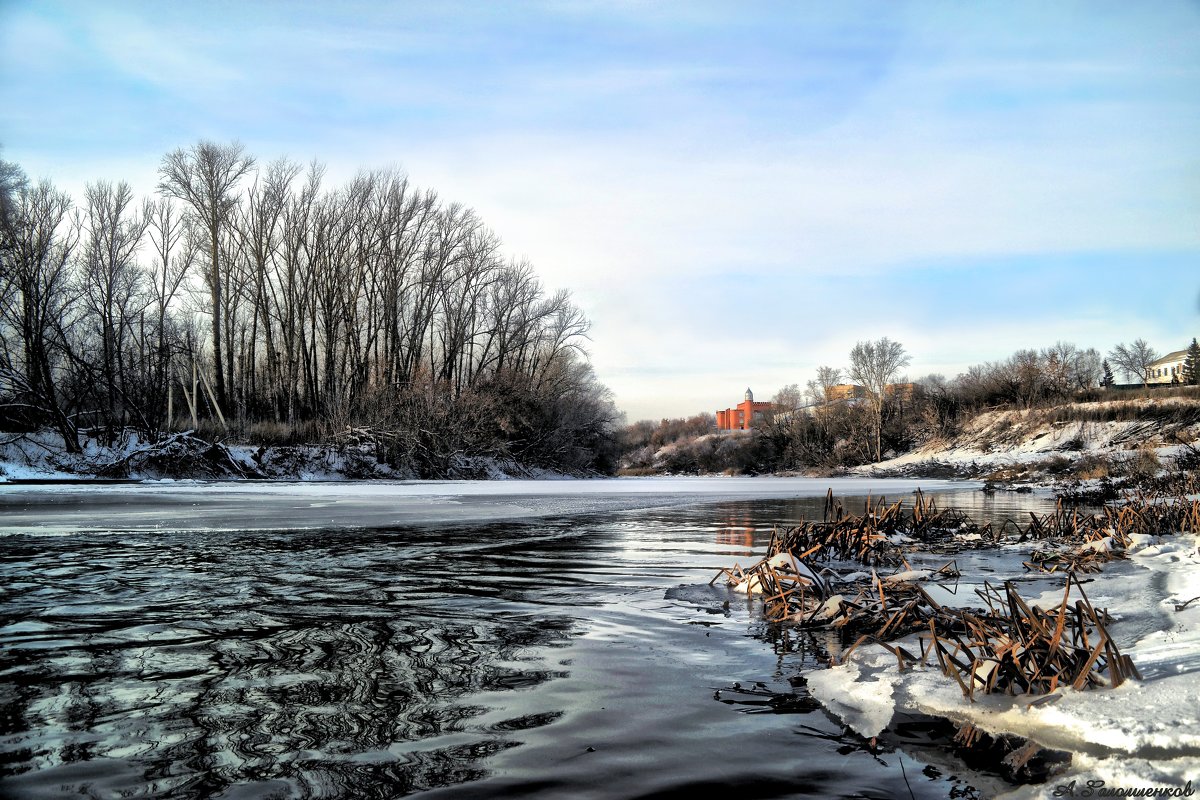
(875, 365)
(1058, 366)
(173, 249)
(1088, 369)
(1028, 374)
(12, 180)
(204, 177)
(39, 236)
(1134, 360)
(788, 398)
(820, 389)
(258, 228)
(113, 283)
(372, 303)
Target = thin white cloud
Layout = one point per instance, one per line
(168, 57)
(686, 145)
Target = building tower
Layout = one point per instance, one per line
(744, 416)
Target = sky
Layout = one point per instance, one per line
(735, 193)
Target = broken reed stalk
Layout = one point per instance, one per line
(881, 535)
(1011, 646)
(1104, 536)
(1016, 648)
(878, 536)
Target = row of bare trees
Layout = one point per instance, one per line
(1029, 377)
(834, 434)
(820, 427)
(256, 293)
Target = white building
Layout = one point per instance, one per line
(1168, 369)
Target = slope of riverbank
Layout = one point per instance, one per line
(1121, 440)
(41, 457)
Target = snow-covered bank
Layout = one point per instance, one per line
(1145, 733)
(1088, 437)
(40, 456)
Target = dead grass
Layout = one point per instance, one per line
(1091, 468)
(1012, 473)
(1179, 406)
(1144, 465)
(1010, 647)
(637, 472)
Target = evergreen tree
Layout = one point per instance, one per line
(1191, 364)
(1108, 380)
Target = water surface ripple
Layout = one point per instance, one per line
(571, 656)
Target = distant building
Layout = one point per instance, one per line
(852, 391)
(900, 391)
(845, 391)
(744, 415)
(1168, 369)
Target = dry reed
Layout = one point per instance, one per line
(1009, 646)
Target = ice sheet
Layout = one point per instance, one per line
(247, 505)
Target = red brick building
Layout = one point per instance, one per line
(844, 391)
(852, 391)
(744, 415)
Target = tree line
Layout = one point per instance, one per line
(251, 297)
(811, 427)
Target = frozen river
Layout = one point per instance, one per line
(279, 505)
(534, 639)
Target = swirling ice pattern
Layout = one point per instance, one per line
(213, 663)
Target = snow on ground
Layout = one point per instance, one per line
(994, 440)
(1143, 733)
(41, 456)
(283, 505)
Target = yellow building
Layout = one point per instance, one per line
(1168, 369)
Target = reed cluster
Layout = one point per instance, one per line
(1006, 645)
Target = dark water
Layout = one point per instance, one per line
(572, 657)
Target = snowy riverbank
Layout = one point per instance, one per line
(1075, 441)
(41, 457)
(1143, 734)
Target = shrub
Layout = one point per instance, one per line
(1144, 464)
(1092, 467)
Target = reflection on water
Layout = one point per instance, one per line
(383, 663)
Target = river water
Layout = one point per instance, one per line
(580, 656)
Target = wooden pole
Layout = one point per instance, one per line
(191, 401)
(212, 398)
(195, 395)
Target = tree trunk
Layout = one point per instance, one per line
(218, 361)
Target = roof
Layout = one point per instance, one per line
(1169, 358)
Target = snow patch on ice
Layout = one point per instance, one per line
(859, 692)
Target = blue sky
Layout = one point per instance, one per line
(735, 193)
